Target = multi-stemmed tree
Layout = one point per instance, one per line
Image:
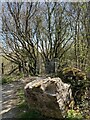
(47, 31)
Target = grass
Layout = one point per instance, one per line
(20, 93)
(6, 79)
(10, 78)
(27, 113)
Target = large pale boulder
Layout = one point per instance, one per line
(49, 96)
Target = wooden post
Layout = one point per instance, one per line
(19, 67)
(2, 68)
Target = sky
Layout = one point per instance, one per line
(0, 14)
(0, 19)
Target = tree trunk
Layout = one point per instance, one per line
(49, 66)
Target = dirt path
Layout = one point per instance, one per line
(10, 99)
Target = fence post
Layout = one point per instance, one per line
(2, 68)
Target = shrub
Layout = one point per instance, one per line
(77, 79)
(74, 115)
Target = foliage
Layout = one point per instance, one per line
(20, 93)
(10, 78)
(74, 115)
(76, 78)
(7, 79)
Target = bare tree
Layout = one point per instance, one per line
(53, 33)
(17, 19)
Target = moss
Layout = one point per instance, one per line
(74, 72)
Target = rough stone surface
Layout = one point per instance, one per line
(49, 96)
(75, 73)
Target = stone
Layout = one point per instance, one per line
(77, 79)
(75, 73)
(50, 96)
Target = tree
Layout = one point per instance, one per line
(48, 31)
(52, 33)
(19, 34)
(79, 17)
